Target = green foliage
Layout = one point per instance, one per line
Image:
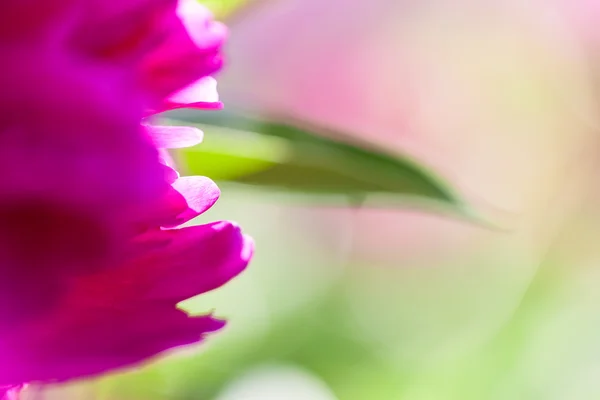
(284, 156)
(222, 8)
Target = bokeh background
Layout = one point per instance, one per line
(348, 303)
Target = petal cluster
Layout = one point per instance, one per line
(93, 260)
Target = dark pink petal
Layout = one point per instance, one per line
(191, 50)
(196, 259)
(174, 137)
(89, 274)
(124, 29)
(176, 264)
(54, 145)
(162, 212)
(162, 330)
(98, 339)
(42, 244)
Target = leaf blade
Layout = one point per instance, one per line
(303, 159)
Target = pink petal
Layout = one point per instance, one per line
(124, 315)
(198, 21)
(170, 174)
(201, 94)
(155, 214)
(166, 329)
(17, 18)
(168, 165)
(174, 137)
(187, 198)
(165, 158)
(168, 105)
(200, 194)
(202, 91)
(191, 50)
(127, 28)
(105, 338)
(197, 259)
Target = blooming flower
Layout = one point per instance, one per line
(93, 264)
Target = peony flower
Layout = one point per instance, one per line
(124, 314)
(93, 260)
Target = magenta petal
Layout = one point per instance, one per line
(164, 329)
(191, 50)
(108, 338)
(89, 277)
(174, 137)
(159, 213)
(196, 260)
(200, 194)
(153, 329)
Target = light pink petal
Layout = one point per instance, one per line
(174, 137)
(198, 21)
(171, 175)
(201, 94)
(202, 91)
(165, 158)
(199, 192)
(185, 199)
(10, 392)
(206, 34)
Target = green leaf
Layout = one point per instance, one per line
(290, 157)
(223, 8)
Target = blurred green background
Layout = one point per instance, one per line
(356, 303)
